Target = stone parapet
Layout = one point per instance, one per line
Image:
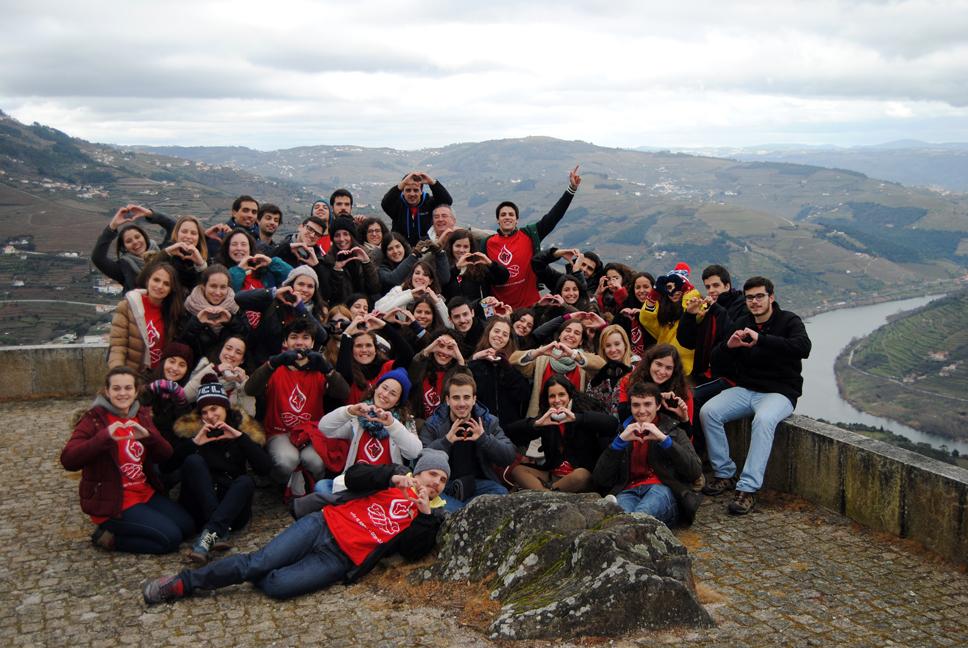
(51, 371)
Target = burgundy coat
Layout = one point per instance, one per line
(92, 451)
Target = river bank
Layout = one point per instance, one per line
(831, 332)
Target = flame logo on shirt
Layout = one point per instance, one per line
(297, 399)
(134, 449)
(400, 509)
(505, 257)
(153, 340)
(373, 449)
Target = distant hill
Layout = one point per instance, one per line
(914, 369)
(909, 162)
(825, 236)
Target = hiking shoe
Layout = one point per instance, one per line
(719, 485)
(162, 590)
(103, 539)
(742, 503)
(611, 499)
(204, 544)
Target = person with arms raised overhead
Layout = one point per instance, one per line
(514, 248)
(410, 208)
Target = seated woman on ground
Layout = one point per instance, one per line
(216, 488)
(661, 366)
(378, 429)
(563, 357)
(166, 396)
(613, 346)
(421, 282)
(229, 369)
(472, 273)
(563, 443)
(211, 313)
(114, 445)
(146, 320)
(133, 249)
(249, 270)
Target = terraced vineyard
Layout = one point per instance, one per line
(914, 369)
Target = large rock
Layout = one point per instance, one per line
(569, 565)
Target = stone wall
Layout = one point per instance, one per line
(876, 484)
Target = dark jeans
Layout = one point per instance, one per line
(303, 558)
(156, 527)
(215, 507)
(481, 487)
(701, 395)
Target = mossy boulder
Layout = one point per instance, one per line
(569, 565)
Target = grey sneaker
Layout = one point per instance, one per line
(719, 485)
(742, 503)
(162, 590)
(205, 543)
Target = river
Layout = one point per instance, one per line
(832, 331)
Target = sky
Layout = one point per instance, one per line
(428, 73)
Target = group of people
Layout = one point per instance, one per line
(382, 373)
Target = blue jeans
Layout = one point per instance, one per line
(324, 487)
(303, 558)
(655, 499)
(481, 487)
(767, 410)
(215, 508)
(156, 527)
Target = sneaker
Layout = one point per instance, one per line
(611, 499)
(221, 543)
(742, 503)
(162, 590)
(204, 544)
(719, 485)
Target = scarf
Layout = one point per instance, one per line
(563, 364)
(375, 428)
(101, 401)
(196, 303)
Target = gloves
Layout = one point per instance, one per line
(318, 362)
(168, 389)
(286, 358)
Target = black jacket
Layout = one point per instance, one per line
(774, 363)
(414, 226)
(502, 389)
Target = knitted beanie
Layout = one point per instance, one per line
(401, 376)
(178, 350)
(211, 392)
(431, 459)
(301, 271)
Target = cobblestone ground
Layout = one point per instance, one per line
(787, 574)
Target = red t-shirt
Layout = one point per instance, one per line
(372, 450)
(431, 394)
(294, 403)
(252, 283)
(155, 328)
(515, 252)
(573, 376)
(640, 472)
(359, 525)
(134, 484)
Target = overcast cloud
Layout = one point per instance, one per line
(428, 73)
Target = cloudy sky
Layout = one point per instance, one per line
(432, 72)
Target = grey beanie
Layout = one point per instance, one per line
(431, 459)
(301, 271)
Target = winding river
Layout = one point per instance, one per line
(832, 331)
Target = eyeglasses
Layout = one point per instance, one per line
(756, 297)
(315, 232)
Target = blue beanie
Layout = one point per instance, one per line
(401, 376)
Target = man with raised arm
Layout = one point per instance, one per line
(513, 248)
